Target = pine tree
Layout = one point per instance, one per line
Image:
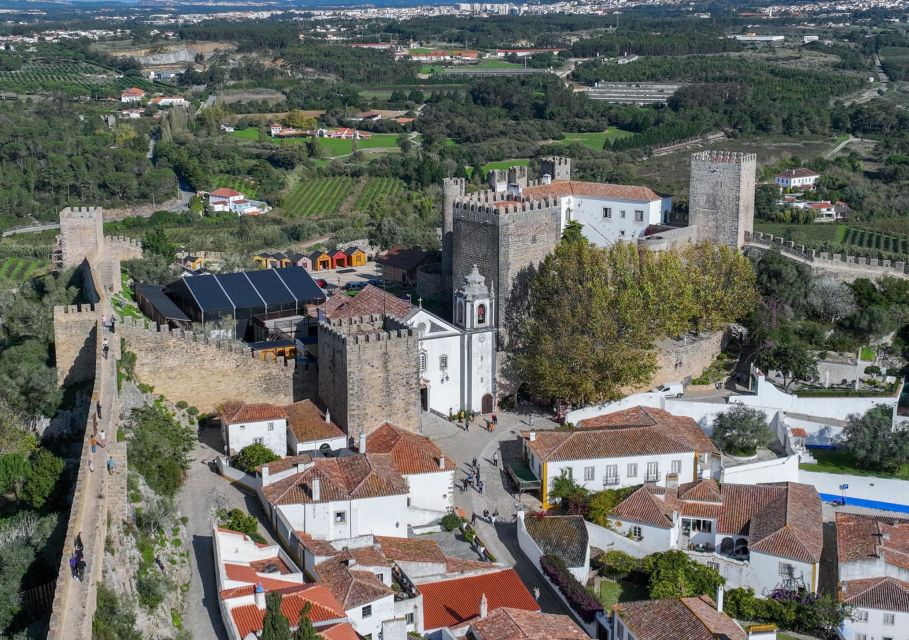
(305, 630)
(275, 626)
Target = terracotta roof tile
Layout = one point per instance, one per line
(342, 631)
(324, 607)
(561, 189)
(369, 300)
(347, 478)
(680, 428)
(663, 620)
(317, 547)
(224, 192)
(352, 587)
(238, 413)
(800, 172)
(859, 537)
(411, 549)
(886, 593)
(306, 421)
(644, 507)
(285, 463)
(462, 565)
(410, 453)
(452, 602)
(564, 536)
(517, 624)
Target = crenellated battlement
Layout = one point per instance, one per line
(83, 213)
(731, 157)
(61, 310)
(365, 329)
(124, 240)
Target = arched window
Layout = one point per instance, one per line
(481, 314)
(422, 361)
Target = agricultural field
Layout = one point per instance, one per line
(376, 189)
(16, 270)
(839, 237)
(244, 185)
(318, 196)
(331, 147)
(72, 78)
(597, 139)
(804, 233)
(876, 241)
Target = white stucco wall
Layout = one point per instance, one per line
(588, 210)
(860, 487)
(766, 572)
(533, 552)
(764, 471)
(432, 493)
(874, 628)
(382, 609)
(383, 516)
(443, 394)
(653, 539)
(837, 408)
(479, 354)
(296, 447)
(664, 462)
(244, 434)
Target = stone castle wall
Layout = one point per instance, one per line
(721, 196)
(369, 373)
(81, 229)
(74, 343)
(182, 365)
(679, 361)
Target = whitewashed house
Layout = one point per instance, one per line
(798, 178)
(621, 449)
(310, 429)
(696, 617)
(764, 536)
(457, 360)
(609, 212)
(360, 579)
(872, 554)
(224, 199)
(246, 424)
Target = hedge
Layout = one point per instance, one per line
(586, 606)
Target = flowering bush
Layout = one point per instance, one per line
(582, 602)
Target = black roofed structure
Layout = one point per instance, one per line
(157, 306)
(240, 296)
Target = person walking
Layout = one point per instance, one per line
(98, 409)
(486, 514)
(480, 486)
(536, 594)
(78, 543)
(91, 465)
(103, 320)
(474, 464)
(73, 563)
(495, 420)
(105, 348)
(80, 570)
(112, 319)
(495, 516)
(495, 459)
(111, 465)
(94, 442)
(102, 438)
(473, 518)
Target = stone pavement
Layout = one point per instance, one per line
(203, 493)
(462, 447)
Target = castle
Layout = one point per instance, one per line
(508, 229)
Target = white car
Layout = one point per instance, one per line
(671, 390)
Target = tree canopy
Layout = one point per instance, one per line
(741, 430)
(874, 442)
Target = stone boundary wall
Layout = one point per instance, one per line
(75, 356)
(183, 365)
(846, 266)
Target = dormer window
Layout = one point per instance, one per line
(481, 314)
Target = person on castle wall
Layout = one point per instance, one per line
(111, 465)
(94, 443)
(102, 438)
(105, 348)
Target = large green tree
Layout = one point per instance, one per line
(873, 441)
(790, 357)
(741, 430)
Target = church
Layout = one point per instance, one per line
(456, 360)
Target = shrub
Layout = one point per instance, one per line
(239, 520)
(251, 456)
(601, 503)
(152, 588)
(113, 620)
(741, 430)
(182, 404)
(43, 476)
(805, 612)
(674, 575)
(619, 565)
(586, 606)
(193, 411)
(159, 448)
(451, 521)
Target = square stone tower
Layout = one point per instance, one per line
(369, 373)
(721, 196)
(557, 168)
(81, 235)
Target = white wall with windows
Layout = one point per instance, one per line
(367, 619)
(876, 624)
(341, 520)
(609, 220)
(296, 447)
(271, 433)
(614, 473)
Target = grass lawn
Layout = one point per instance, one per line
(330, 146)
(487, 64)
(867, 354)
(597, 139)
(896, 54)
(500, 164)
(612, 592)
(835, 461)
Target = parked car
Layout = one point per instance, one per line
(321, 283)
(376, 282)
(355, 286)
(671, 390)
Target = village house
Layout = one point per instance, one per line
(400, 265)
(133, 94)
(279, 260)
(764, 536)
(562, 536)
(224, 199)
(873, 574)
(517, 624)
(246, 424)
(621, 449)
(696, 617)
(310, 429)
(246, 571)
(131, 114)
(169, 101)
(799, 178)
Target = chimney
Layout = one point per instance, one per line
(316, 486)
(442, 462)
(362, 447)
(484, 606)
(545, 179)
(265, 478)
(532, 436)
(260, 597)
(327, 415)
(672, 481)
(720, 593)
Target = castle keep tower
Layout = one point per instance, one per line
(556, 168)
(369, 372)
(452, 189)
(721, 196)
(81, 235)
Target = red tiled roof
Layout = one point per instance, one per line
(317, 547)
(246, 573)
(644, 507)
(860, 537)
(133, 91)
(347, 478)
(451, 602)
(681, 428)
(368, 301)
(307, 422)
(411, 549)
(224, 192)
(342, 631)
(324, 608)
(238, 413)
(564, 188)
(798, 432)
(352, 587)
(518, 624)
(800, 172)
(285, 463)
(665, 620)
(410, 453)
(403, 259)
(886, 593)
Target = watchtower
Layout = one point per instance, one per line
(452, 189)
(721, 196)
(81, 236)
(556, 167)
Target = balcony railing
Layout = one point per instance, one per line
(652, 477)
(610, 481)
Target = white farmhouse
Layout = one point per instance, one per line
(246, 424)
(872, 554)
(764, 536)
(457, 360)
(609, 212)
(621, 449)
(224, 199)
(799, 178)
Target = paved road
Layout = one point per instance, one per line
(33, 229)
(203, 493)
(462, 447)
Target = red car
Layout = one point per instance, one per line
(321, 282)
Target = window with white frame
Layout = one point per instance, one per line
(271, 426)
(632, 470)
(860, 615)
(607, 213)
(588, 474)
(638, 216)
(340, 517)
(786, 569)
(889, 618)
(612, 474)
(676, 466)
(443, 362)
(408, 618)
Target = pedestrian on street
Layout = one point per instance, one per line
(94, 443)
(78, 543)
(486, 514)
(495, 515)
(112, 318)
(473, 518)
(111, 465)
(73, 563)
(91, 465)
(474, 464)
(480, 486)
(102, 439)
(103, 320)
(105, 348)
(536, 594)
(465, 482)
(80, 570)
(495, 458)
(98, 409)
(495, 420)
(530, 420)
